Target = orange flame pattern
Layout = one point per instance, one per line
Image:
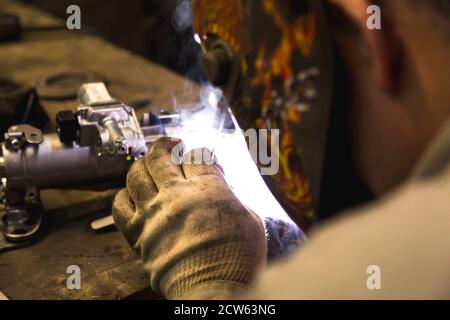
(222, 18)
(225, 19)
(298, 35)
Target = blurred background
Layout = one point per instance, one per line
(142, 26)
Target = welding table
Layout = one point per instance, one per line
(109, 268)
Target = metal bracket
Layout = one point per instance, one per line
(19, 223)
(18, 135)
(5, 244)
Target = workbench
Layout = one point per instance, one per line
(109, 268)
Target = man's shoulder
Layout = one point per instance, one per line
(405, 235)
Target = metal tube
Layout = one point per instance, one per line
(116, 137)
(52, 164)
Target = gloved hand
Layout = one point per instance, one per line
(195, 237)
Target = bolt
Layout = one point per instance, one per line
(15, 143)
(123, 149)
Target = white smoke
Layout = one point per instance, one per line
(182, 16)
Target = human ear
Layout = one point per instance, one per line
(381, 45)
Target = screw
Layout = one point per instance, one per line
(15, 143)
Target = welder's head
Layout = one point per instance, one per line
(399, 78)
(274, 60)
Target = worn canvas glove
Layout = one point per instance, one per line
(195, 237)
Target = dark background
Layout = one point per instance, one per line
(141, 26)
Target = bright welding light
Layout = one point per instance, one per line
(200, 128)
(243, 176)
(197, 38)
(199, 131)
(213, 99)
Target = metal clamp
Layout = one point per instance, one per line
(19, 135)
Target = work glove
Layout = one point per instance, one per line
(195, 237)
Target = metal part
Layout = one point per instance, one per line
(117, 141)
(103, 223)
(111, 129)
(94, 94)
(67, 126)
(22, 223)
(94, 150)
(109, 125)
(53, 164)
(22, 134)
(218, 63)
